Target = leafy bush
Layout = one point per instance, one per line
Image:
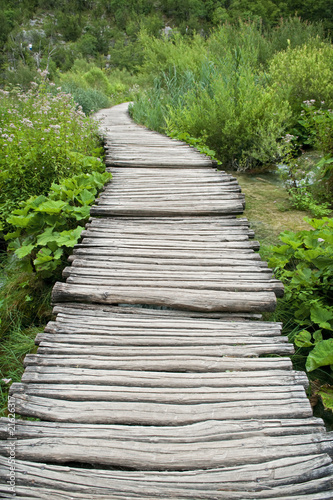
(159, 54)
(97, 79)
(303, 199)
(304, 73)
(240, 117)
(89, 99)
(47, 227)
(43, 139)
(317, 120)
(311, 189)
(304, 263)
(292, 32)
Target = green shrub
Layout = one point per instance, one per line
(43, 139)
(240, 117)
(97, 79)
(22, 76)
(312, 189)
(292, 32)
(87, 45)
(159, 54)
(304, 73)
(80, 66)
(90, 100)
(47, 227)
(304, 263)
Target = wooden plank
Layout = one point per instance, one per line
(173, 284)
(132, 262)
(148, 363)
(150, 312)
(117, 189)
(79, 392)
(186, 255)
(170, 315)
(105, 412)
(209, 300)
(135, 338)
(187, 197)
(285, 478)
(238, 350)
(167, 229)
(157, 318)
(169, 456)
(121, 333)
(173, 175)
(102, 210)
(214, 430)
(227, 272)
(168, 234)
(166, 365)
(173, 235)
(95, 374)
(210, 223)
(166, 244)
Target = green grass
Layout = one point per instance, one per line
(12, 353)
(24, 311)
(268, 207)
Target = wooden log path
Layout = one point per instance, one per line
(158, 378)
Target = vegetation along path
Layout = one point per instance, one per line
(158, 379)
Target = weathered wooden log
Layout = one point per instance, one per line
(209, 300)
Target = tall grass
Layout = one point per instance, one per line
(227, 104)
(229, 90)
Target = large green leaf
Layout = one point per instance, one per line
(321, 315)
(20, 220)
(44, 256)
(69, 238)
(86, 197)
(303, 339)
(321, 355)
(79, 212)
(326, 393)
(24, 251)
(47, 236)
(51, 206)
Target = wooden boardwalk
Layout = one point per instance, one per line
(158, 378)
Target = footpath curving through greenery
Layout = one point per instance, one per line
(258, 105)
(257, 94)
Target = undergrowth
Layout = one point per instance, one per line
(50, 174)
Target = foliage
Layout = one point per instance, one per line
(89, 99)
(326, 394)
(44, 138)
(240, 116)
(24, 299)
(304, 263)
(47, 228)
(61, 31)
(13, 350)
(97, 79)
(311, 188)
(24, 310)
(303, 199)
(302, 187)
(159, 54)
(198, 144)
(317, 121)
(295, 72)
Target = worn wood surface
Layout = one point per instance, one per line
(157, 377)
(289, 478)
